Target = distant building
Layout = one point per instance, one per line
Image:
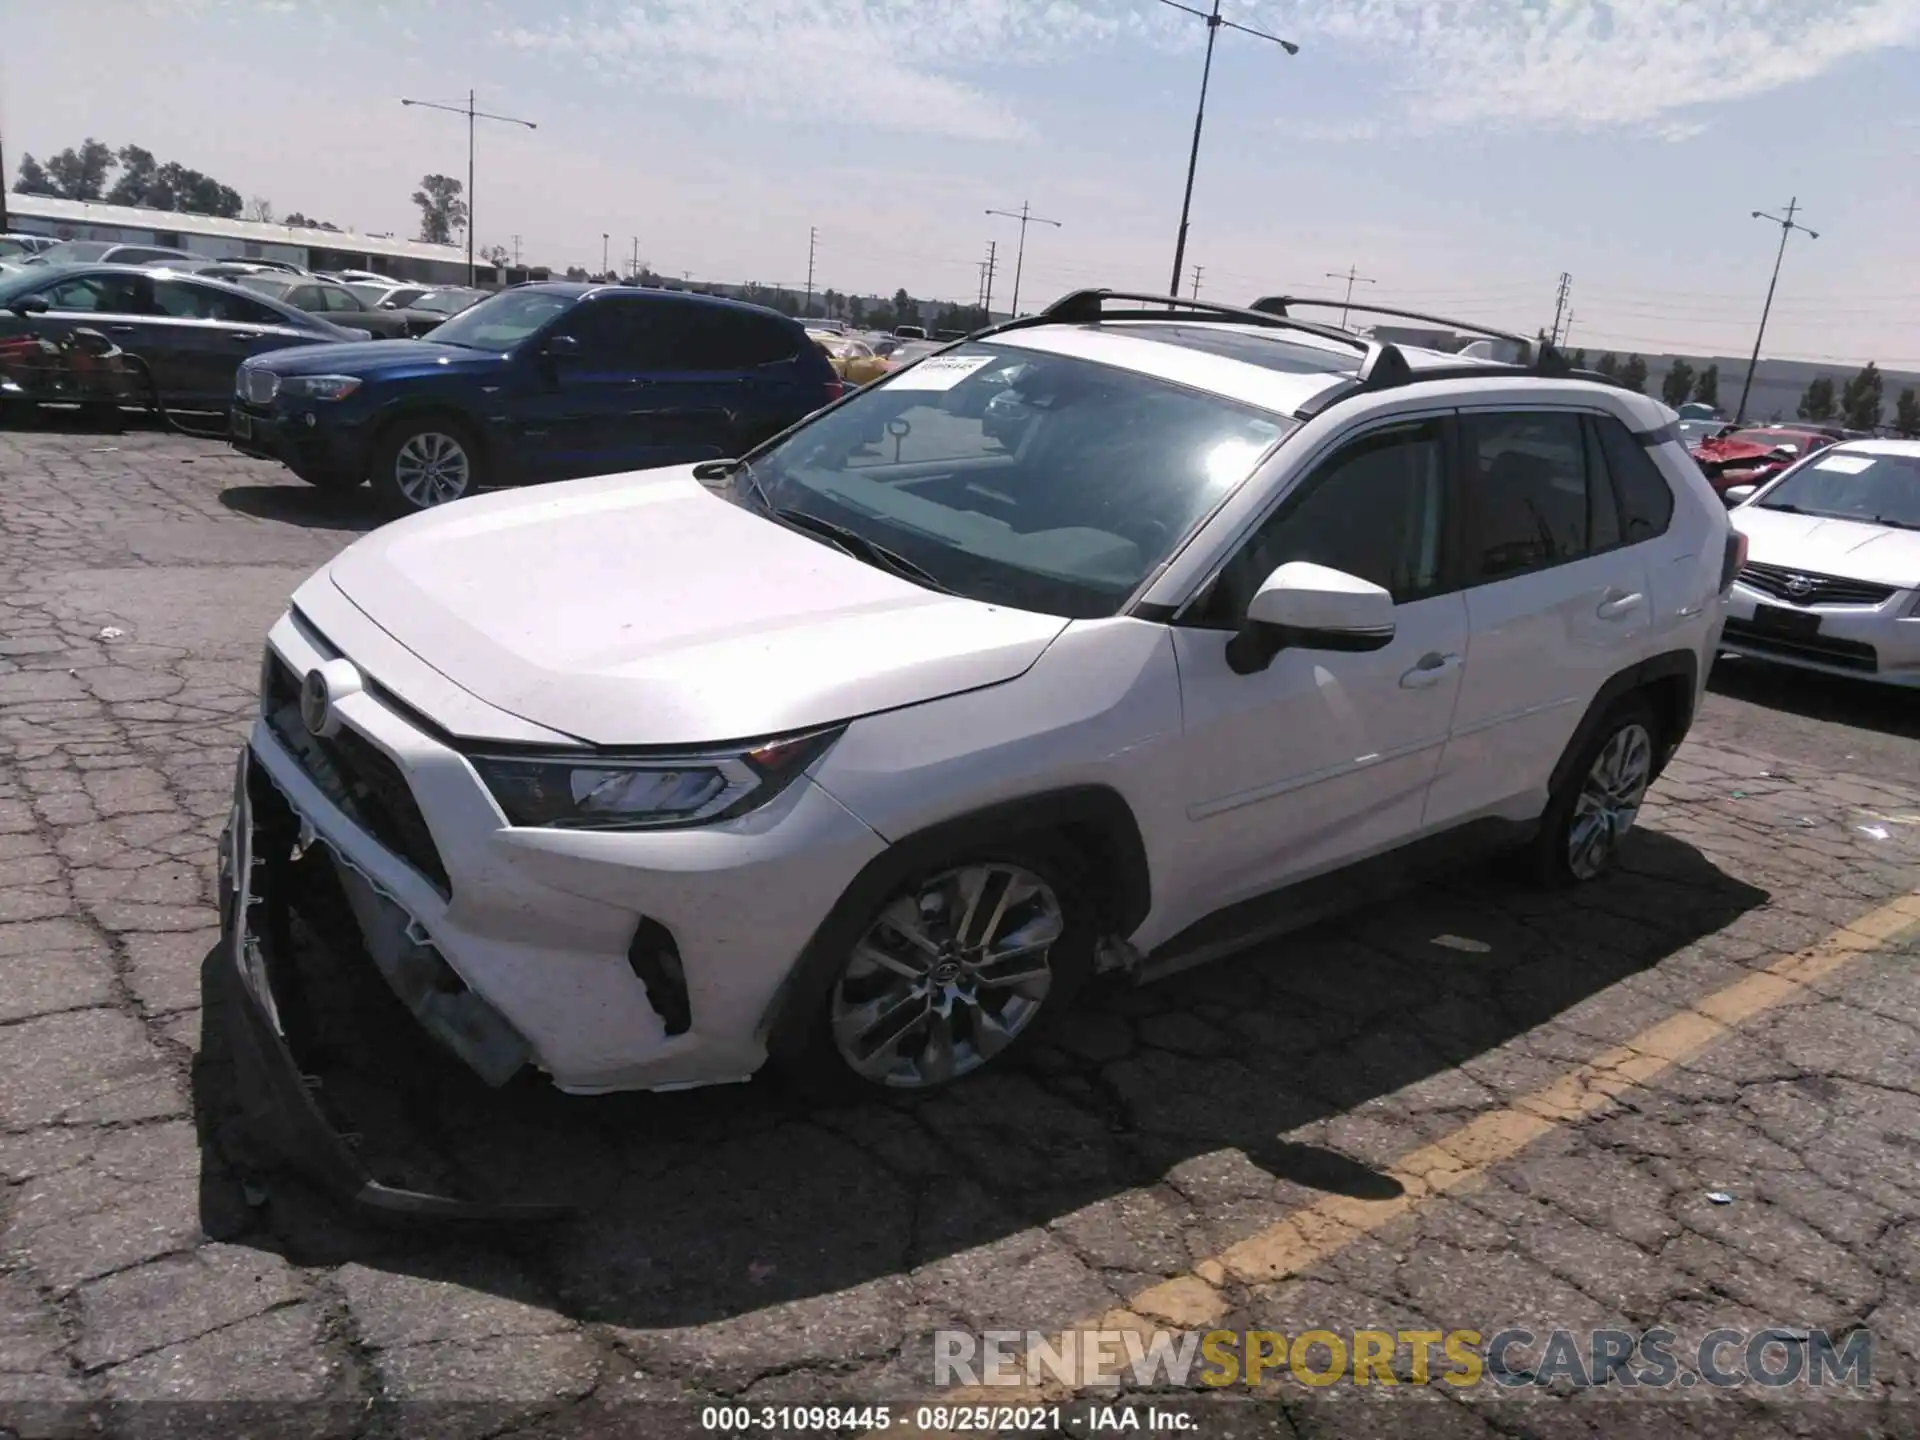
(220, 239)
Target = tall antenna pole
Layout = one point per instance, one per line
(1787, 227)
(1352, 276)
(472, 115)
(1026, 217)
(1214, 22)
(813, 238)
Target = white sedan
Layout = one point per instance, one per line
(1832, 579)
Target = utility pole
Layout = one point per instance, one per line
(516, 252)
(3, 185)
(1352, 276)
(987, 303)
(1214, 22)
(472, 115)
(813, 238)
(634, 268)
(603, 252)
(1025, 217)
(1196, 280)
(1787, 226)
(1559, 306)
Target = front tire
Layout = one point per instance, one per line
(959, 967)
(426, 462)
(1592, 813)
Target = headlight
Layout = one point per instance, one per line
(320, 387)
(646, 792)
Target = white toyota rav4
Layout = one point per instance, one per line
(1112, 638)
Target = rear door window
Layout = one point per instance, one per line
(725, 339)
(106, 294)
(1528, 494)
(1646, 499)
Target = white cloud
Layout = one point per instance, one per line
(1591, 64)
(940, 66)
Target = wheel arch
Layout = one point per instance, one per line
(1094, 820)
(412, 410)
(1669, 681)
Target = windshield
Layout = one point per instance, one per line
(1851, 485)
(497, 322)
(275, 285)
(1038, 481)
(74, 252)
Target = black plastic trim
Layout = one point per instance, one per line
(1682, 665)
(1124, 886)
(654, 957)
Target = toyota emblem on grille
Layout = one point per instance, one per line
(1799, 585)
(316, 704)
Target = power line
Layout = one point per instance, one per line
(1214, 22)
(1351, 276)
(1026, 217)
(472, 115)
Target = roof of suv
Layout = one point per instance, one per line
(1262, 357)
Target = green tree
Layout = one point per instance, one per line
(81, 173)
(1906, 413)
(137, 171)
(1607, 365)
(1633, 374)
(1678, 384)
(1579, 359)
(1817, 402)
(1862, 399)
(442, 211)
(33, 179)
(856, 309)
(1706, 386)
(906, 309)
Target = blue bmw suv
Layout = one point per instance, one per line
(541, 382)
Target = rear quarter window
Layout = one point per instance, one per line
(1646, 500)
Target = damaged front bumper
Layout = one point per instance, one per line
(270, 1024)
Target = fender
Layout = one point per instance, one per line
(1094, 818)
(1682, 666)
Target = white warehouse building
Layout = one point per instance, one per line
(221, 239)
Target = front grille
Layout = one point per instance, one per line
(1845, 654)
(257, 387)
(1797, 587)
(356, 775)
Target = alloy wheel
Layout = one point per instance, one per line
(1610, 798)
(947, 976)
(431, 468)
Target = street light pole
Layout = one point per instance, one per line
(1025, 217)
(472, 115)
(1351, 275)
(1787, 226)
(1214, 21)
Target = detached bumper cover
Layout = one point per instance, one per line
(280, 1102)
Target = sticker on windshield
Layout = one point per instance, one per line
(940, 372)
(1845, 464)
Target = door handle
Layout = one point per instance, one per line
(1429, 670)
(123, 329)
(246, 335)
(1619, 605)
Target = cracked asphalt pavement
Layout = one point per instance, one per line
(743, 1246)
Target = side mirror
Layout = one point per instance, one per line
(560, 347)
(1738, 494)
(30, 305)
(1304, 606)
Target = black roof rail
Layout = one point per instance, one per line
(1282, 304)
(1088, 307)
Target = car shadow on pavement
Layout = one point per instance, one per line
(303, 505)
(1889, 709)
(1222, 1098)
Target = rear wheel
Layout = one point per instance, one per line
(425, 462)
(1591, 814)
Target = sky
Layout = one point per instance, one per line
(1459, 155)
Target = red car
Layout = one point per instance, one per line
(1755, 455)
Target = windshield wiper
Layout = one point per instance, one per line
(1896, 524)
(856, 545)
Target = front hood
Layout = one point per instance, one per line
(366, 357)
(645, 610)
(1850, 549)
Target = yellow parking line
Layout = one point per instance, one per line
(1311, 1235)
